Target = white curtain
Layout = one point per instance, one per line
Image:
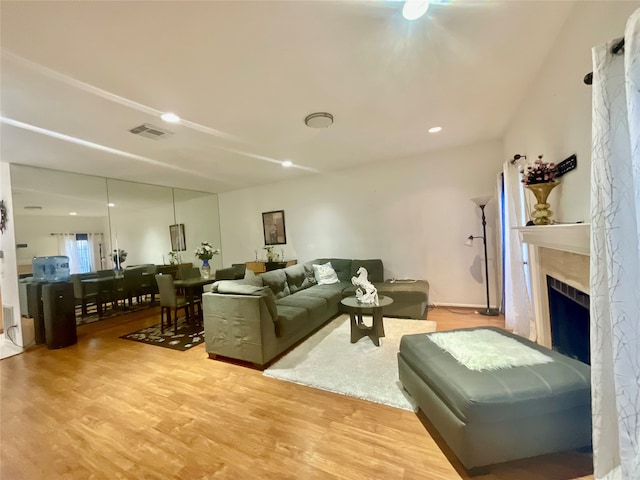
(67, 246)
(615, 258)
(96, 248)
(518, 311)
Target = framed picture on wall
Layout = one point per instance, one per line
(178, 242)
(273, 226)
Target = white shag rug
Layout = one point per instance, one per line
(329, 361)
(487, 350)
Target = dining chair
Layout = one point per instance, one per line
(149, 285)
(106, 289)
(191, 272)
(170, 302)
(84, 293)
(130, 286)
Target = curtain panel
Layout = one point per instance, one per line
(615, 258)
(518, 310)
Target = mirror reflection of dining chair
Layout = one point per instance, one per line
(170, 302)
(149, 285)
(106, 288)
(84, 293)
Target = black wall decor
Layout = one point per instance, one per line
(274, 228)
(178, 242)
(567, 165)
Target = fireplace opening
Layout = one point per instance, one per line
(569, 314)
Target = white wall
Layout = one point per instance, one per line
(8, 265)
(414, 214)
(200, 216)
(555, 118)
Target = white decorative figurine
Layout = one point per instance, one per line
(366, 292)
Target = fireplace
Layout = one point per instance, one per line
(569, 318)
(562, 253)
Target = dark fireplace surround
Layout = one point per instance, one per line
(569, 315)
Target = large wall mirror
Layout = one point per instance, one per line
(52, 208)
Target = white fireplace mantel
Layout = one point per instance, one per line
(571, 237)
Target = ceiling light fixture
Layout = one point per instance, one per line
(435, 129)
(73, 213)
(414, 9)
(287, 163)
(170, 117)
(111, 204)
(319, 120)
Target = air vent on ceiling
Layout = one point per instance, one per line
(150, 131)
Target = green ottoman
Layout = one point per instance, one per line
(494, 416)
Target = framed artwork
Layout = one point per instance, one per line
(178, 242)
(273, 226)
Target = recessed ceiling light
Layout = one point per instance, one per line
(319, 120)
(73, 213)
(111, 204)
(414, 9)
(170, 117)
(434, 129)
(287, 163)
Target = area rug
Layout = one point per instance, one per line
(329, 361)
(188, 336)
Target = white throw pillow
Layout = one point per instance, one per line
(325, 274)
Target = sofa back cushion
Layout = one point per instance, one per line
(342, 266)
(325, 274)
(276, 280)
(299, 277)
(374, 268)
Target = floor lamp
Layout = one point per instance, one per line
(482, 203)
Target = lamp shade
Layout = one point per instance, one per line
(482, 200)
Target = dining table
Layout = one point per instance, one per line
(192, 288)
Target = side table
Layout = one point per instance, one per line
(358, 328)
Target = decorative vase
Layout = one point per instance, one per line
(542, 215)
(206, 268)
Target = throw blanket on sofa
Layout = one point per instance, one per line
(487, 350)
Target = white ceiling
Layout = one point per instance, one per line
(245, 74)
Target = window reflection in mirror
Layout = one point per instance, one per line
(59, 213)
(137, 221)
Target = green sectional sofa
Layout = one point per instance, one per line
(257, 318)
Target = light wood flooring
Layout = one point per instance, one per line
(108, 408)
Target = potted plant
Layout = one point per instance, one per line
(540, 179)
(118, 256)
(205, 252)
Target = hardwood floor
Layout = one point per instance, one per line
(108, 408)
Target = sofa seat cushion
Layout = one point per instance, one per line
(291, 320)
(276, 280)
(331, 293)
(503, 394)
(316, 307)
